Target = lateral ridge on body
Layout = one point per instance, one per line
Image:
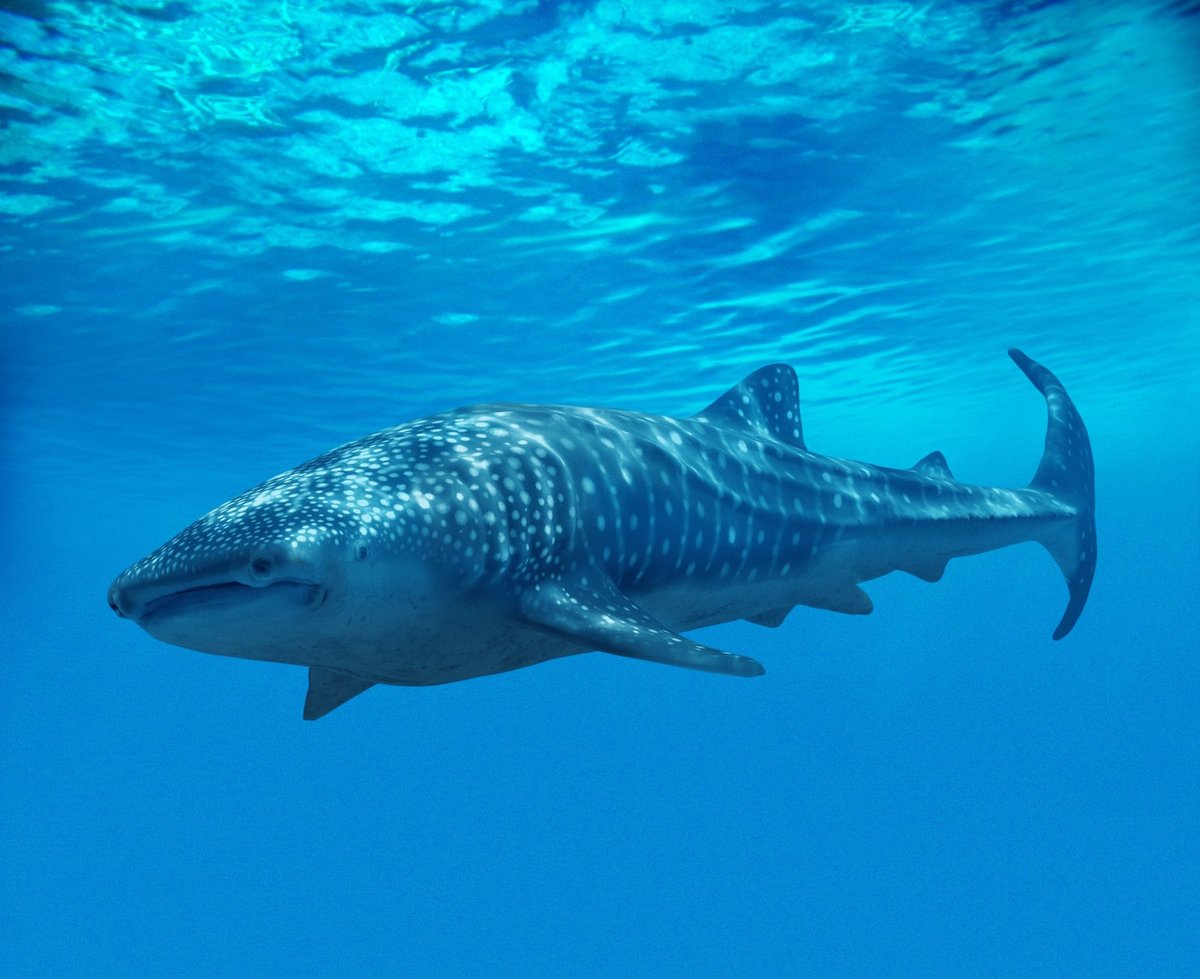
(495, 537)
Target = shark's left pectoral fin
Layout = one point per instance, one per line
(590, 609)
(329, 689)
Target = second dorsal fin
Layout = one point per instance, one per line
(767, 404)
(935, 465)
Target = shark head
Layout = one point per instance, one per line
(277, 572)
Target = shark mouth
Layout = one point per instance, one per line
(226, 595)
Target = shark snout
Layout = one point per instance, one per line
(117, 600)
(133, 596)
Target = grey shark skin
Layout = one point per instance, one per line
(495, 537)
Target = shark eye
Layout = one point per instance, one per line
(260, 567)
(360, 550)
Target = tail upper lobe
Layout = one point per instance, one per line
(1066, 472)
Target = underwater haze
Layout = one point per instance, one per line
(234, 234)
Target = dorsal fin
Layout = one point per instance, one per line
(935, 465)
(767, 404)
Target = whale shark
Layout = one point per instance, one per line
(499, 536)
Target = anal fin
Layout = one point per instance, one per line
(329, 689)
(850, 599)
(931, 569)
(772, 618)
(590, 609)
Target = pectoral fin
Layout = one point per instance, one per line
(329, 689)
(590, 609)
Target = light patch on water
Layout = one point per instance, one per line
(26, 204)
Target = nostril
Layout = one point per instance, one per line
(260, 567)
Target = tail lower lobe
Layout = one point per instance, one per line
(1067, 473)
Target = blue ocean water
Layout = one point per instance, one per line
(234, 234)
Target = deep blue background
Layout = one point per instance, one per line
(235, 234)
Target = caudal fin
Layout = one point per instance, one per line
(1066, 472)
